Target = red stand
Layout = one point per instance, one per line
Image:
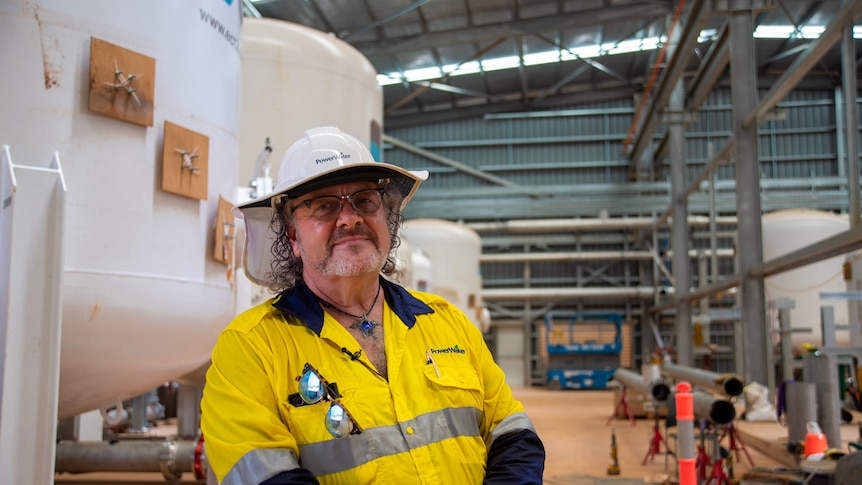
(718, 476)
(655, 443)
(736, 443)
(624, 404)
(702, 463)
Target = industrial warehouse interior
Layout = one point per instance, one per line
(646, 207)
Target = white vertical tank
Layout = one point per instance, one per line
(295, 78)
(454, 251)
(786, 231)
(144, 299)
(403, 274)
(422, 271)
(412, 267)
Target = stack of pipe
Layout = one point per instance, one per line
(707, 405)
(656, 389)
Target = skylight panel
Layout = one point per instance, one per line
(774, 32)
(499, 63)
(537, 58)
(471, 67)
(387, 80)
(423, 74)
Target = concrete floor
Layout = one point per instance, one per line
(575, 428)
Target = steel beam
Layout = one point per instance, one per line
(849, 12)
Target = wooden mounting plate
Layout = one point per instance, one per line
(106, 60)
(175, 178)
(225, 232)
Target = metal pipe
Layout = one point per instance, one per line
(585, 224)
(594, 256)
(801, 408)
(716, 410)
(169, 456)
(616, 293)
(729, 384)
(657, 389)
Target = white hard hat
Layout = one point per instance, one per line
(322, 157)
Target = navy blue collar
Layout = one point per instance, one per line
(301, 302)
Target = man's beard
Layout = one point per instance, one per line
(351, 264)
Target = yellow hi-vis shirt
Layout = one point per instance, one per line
(432, 422)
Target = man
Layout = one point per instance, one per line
(345, 377)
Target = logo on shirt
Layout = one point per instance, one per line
(449, 350)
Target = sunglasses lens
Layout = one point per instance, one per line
(310, 388)
(338, 422)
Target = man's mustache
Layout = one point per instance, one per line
(343, 233)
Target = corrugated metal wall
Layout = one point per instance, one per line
(584, 144)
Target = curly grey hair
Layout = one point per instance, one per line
(287, 268)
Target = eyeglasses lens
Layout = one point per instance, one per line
(311, 389)
(338, 422)
(328, 207)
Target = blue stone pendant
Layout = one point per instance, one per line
(366, 327)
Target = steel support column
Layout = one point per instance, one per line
(848, 70)
(679, 227)
(747, 173)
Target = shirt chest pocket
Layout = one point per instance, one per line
(459, 385)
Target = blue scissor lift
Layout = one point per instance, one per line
(583, 349)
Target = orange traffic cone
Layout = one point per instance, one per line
(815, 442)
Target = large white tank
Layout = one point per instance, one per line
(422, 271)
(296, 78)
(788, 230)
(454, 251)
(144, 300)
(403, 274)
(412, 267)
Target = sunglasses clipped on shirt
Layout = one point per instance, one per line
(314, 388)
(328, 207)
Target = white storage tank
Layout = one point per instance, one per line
(403, 274)
(144, 299)
(412, 267)
(454, 251)
(422, 271)
(786, 231)
(295, 78)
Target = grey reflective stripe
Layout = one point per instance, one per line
(259, 465)
(338, 455)
(512, 422)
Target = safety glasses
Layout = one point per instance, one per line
(313, 388)
(328, 207)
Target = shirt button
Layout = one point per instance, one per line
(409, 430)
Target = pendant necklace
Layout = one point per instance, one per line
(365, 326)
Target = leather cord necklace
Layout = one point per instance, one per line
(365, 326)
